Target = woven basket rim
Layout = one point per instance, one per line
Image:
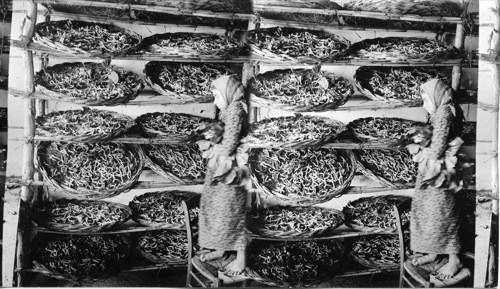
(82, 228)
(86, 193)
(180, 96)
(305, 201)
(374, 264)
(161, 259)
(290, 234)
(51, 94)
(180, 137)
(127, 120)
(42, 40)
(364, 137)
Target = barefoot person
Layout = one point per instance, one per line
(434, 226)
(222, 205)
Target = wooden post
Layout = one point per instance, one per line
(457, 70)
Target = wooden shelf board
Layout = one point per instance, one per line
(152, 8)
(368, 62)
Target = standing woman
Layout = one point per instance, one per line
(222, 217)
(434, 226)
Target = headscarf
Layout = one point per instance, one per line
(231, 89)
(439, 93)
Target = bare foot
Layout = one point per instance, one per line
(212, 255)
(424, 259)
(237, 266)
(449, 270)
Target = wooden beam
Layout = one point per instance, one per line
(11, 208)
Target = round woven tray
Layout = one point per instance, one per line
(381, 140)
(157, 224)
(45, 41)
(189, 51)
(380, 179)
(39, 219)
(256, 96)
(174, 136)
(270, 55)
(255, 225)
(86, 193)
(253, 141)
(54, 95)
(128, 123)
(165, 257)
(169, 176)
(295, 200)
(374, 264)
(358, 51)
(355, 224)
(424, 8)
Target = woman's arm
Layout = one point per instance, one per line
(440, 121)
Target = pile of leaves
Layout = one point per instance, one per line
(172, 123)
(396, 166)
(384, 128)
(419, 7)
(164, 244)
(381, 249)
(184, 161)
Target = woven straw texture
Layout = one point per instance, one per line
(44, 37)
(374, 214)
(132, 84)
(165, 211)
(308, 222)
(402, 49)
(300, 90)
(272, 44)
(384, 130)
(173, 119)
(84, 193)
(298, 199)
(314, 131)
(125, 121)
(419, 7)
(116, 214)
(404, 90)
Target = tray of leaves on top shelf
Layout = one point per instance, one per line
(393, 168)
(90, 170)
(379, 251)
(296, 45)
(299, 131)
(185, 81)
(384, 130)
(161, 209)
(301, 177)
(395, 85)
(375, 214)
(80, 215)
(192, 45)
(85, 39)
(300, 90)
(80, 257)
(163, 246)
(82, 125)
(179, 127)
(295, 264)
(294, 222)
(445, 8)
(88, 83)
(402, 49)
(176, 163)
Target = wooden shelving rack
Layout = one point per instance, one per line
(35, 103)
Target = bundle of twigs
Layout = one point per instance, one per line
(184, 44)
(80, 215)
(161, 209)
(375, 214)
(301, 177)
(300, 89)
(294, 222)
(185, 80)
(383, 129)
(89, 83)
(164, 246)
(173, 125)
(230, 6)
(297, 131)
(395, 85)
(300, 17)
(445, 8)
(176, 163)
(88, 10)
(295, 264)
(293, 44)
(83, 125)
(90, 170)
(85, 39)
(80, 257)
(397, 49)
(379, 251)
(391, 168)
